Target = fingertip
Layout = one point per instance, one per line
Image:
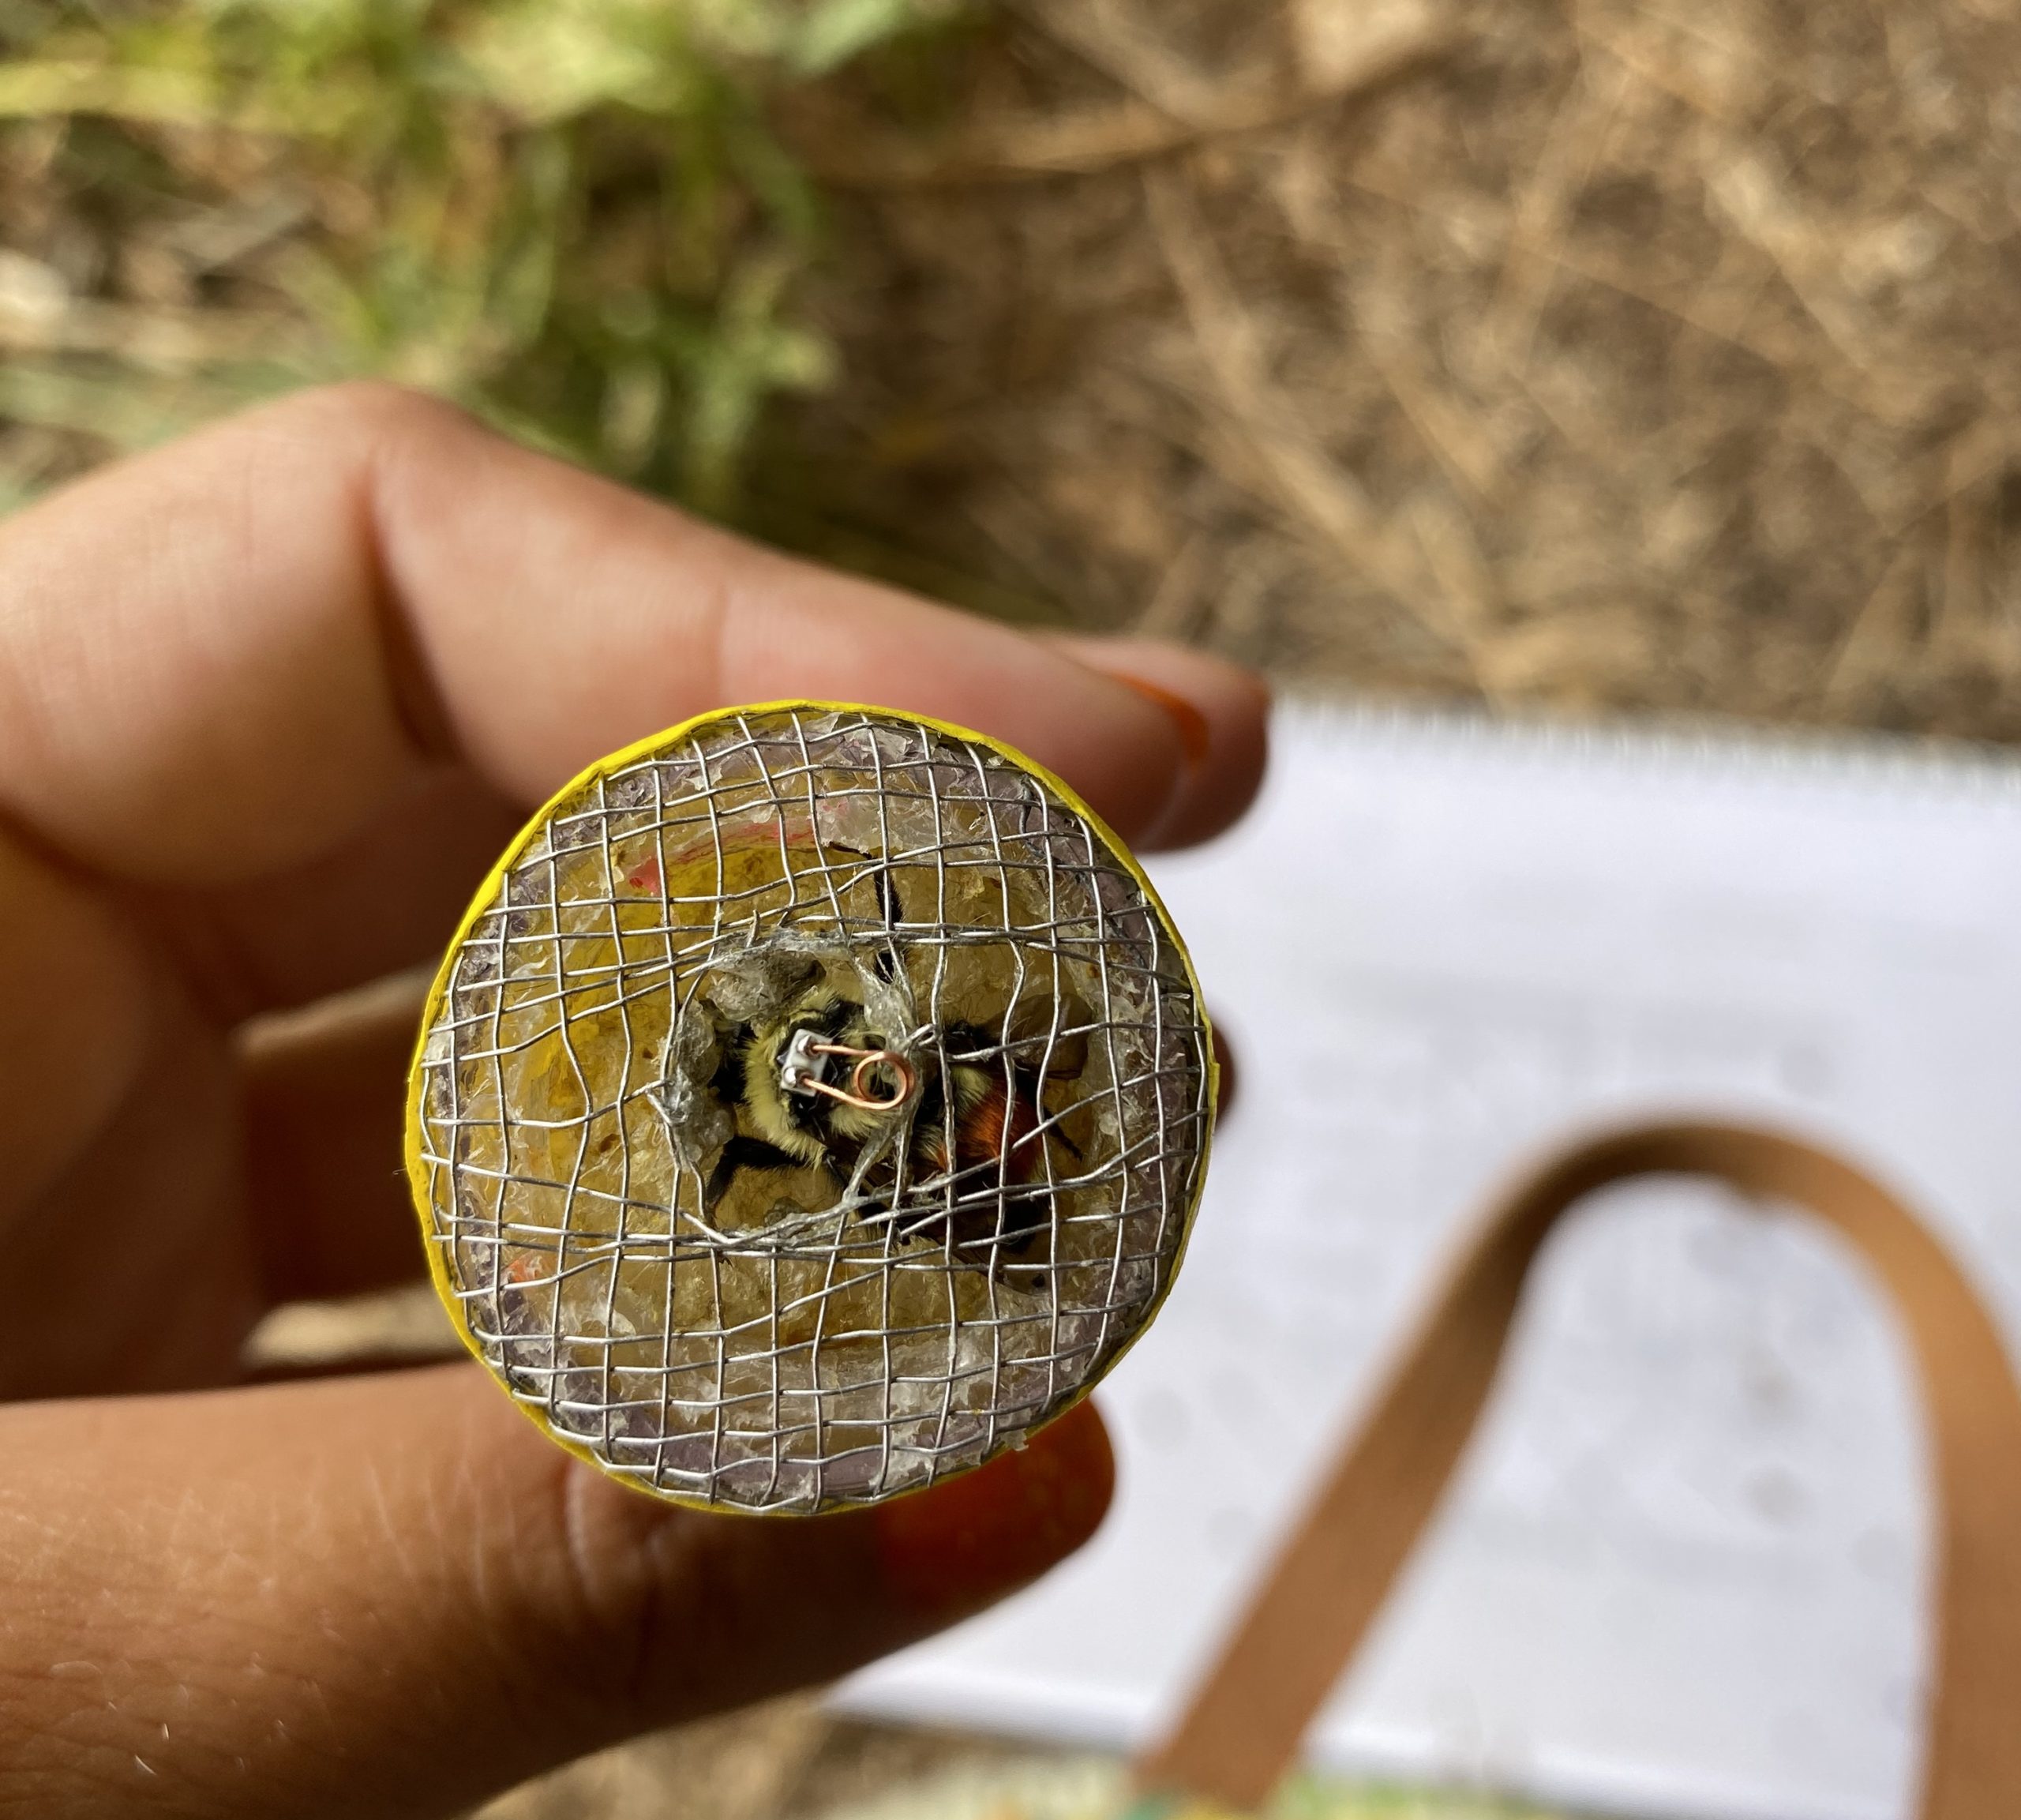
(1228, 1078)
(1221, 713)
(964, 1544)
(1196, 736)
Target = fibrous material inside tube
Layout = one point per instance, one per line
(815, 1104)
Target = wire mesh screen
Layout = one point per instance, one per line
(816, 1104)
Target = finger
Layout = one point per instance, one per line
(298, 608)
(1223, 715)
(120, 1153)
(76, 996)
(1225, 1096)
(389, 897)
(390, 1596)
(384, 900)
(324, 1093)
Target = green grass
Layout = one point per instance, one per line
(1098, 1789)
(569, 215)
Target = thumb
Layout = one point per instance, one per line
(390, 1595)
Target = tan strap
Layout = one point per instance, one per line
(1242, 1728)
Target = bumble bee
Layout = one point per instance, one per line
(818, 1070)
(983, 1126)
(773, 1077)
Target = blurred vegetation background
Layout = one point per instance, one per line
(1600, 355)
(1609, 353)
(570, 215)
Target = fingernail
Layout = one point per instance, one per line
(964, 1544)
(1195, 737)
(1219, 714)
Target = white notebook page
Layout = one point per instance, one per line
(1681, 1575)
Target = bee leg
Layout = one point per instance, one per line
(893, 913)
(1032, 1087)
(727, 1083)
(1024, 1217)
(741, 1153)
(1023, 1221)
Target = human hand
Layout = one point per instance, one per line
(271, 701)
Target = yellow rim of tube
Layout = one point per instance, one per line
(487, 892)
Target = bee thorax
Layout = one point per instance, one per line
(876, 1079)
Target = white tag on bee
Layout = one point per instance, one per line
(815, 1100)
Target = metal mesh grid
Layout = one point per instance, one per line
(720, 1287)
